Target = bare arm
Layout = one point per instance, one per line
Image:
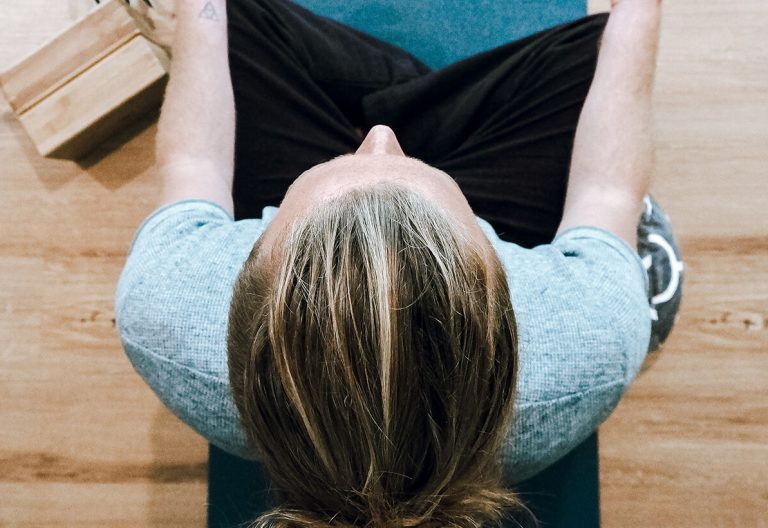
(196, 131)
(613, 155)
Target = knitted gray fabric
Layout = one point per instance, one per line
(580, 302)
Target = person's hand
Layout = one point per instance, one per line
(157, 20)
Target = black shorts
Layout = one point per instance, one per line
(501, 123)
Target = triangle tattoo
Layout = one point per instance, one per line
(209, 12)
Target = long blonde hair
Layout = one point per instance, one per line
(373, 360)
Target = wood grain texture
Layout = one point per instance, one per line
(85, 443)
(688, 445)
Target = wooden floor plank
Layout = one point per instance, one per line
(690, 436)
(711, 117)
(687, 446)
(88, 505)
(84, 442)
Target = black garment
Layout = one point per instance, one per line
(502, 123)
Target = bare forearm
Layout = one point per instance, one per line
(613, 152)
(197, 121)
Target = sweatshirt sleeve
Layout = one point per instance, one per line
(584, 326)
(172, 307)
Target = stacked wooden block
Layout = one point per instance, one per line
(87, 83)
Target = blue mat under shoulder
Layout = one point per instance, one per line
(440, 32)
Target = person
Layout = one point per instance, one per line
(447, 299)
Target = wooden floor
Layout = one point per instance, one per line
(84, 442)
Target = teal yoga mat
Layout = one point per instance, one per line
(565, 495)
(438, 32)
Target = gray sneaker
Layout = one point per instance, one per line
(661, 258)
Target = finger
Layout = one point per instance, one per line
(139, 6)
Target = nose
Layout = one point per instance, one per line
(380, 140)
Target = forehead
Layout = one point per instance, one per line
(370, 163)
(343, 172)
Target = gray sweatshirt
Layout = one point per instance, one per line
(580, 303)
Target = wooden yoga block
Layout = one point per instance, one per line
(87, 82)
